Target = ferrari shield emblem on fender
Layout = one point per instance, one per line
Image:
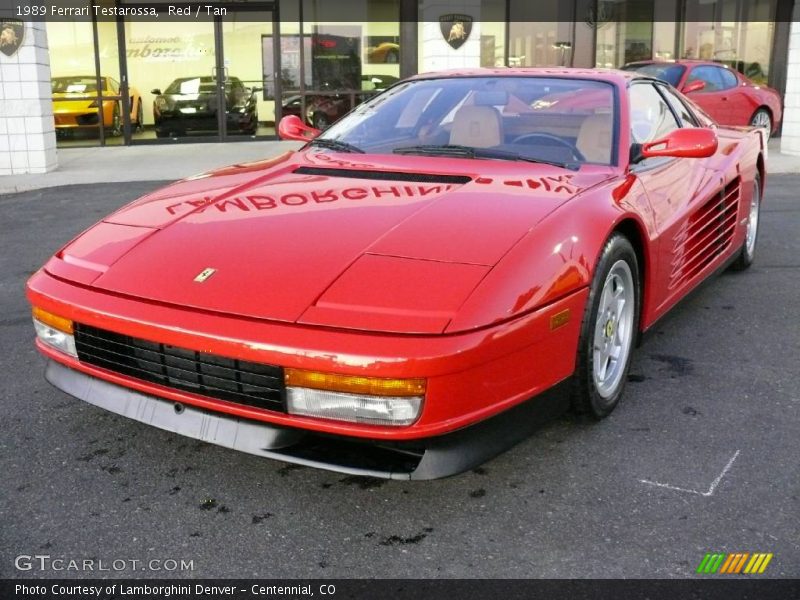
(204, 274)
(455, 29)
(12, 32)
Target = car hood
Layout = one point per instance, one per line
(71, 102)
(369, 243)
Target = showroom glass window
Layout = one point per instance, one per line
(328, 65)
(76, 99)
(738, 33)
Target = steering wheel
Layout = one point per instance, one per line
(576, 154)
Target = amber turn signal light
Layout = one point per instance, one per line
(60, 323)
(354, 384)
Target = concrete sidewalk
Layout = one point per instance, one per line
(170, 162)
(142, 163)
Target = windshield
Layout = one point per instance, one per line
(557, 120)
(665, 72)
(199, 85)
(76, 85)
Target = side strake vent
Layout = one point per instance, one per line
(707, 234)
(383, 175)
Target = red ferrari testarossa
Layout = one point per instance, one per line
(412, 291)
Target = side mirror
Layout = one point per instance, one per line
(156, 91)
(694, 86)
(692, 142)
(292, 128)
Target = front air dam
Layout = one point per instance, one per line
(429, 458)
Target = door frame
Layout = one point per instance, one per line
(219, 67)
(219, 48)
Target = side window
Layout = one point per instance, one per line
(651, 118)
(113, 85)
(685, 116)
(709, 75)
(728, 79)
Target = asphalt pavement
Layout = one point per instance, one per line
(701, 455)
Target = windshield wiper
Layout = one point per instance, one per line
(472, 152)
(335, 145)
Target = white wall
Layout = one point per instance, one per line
(435, 53)
(790, 136)
(27, 134)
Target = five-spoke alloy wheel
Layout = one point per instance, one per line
(609, 328)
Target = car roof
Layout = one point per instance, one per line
(611, 75)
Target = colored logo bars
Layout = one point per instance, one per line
(734, 563)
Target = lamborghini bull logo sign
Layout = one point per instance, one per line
(455, 29)
(12, 31)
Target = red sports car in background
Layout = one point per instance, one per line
(415, 289)
(726, 95)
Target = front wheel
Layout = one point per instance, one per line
(115, 128)
(610, 322)
(321, 121)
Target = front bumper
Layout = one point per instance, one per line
(471, 376)
(435, 458)
(175, 122)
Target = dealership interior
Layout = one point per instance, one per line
(267, 59)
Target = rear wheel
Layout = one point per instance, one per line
(762, 118)
(748, 252)
(610, 322)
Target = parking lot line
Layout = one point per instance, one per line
(711, 488)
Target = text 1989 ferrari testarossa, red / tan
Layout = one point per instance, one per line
(408, 294)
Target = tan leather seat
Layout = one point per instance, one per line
(594, 138)
(477, 126)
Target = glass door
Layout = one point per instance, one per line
(246, 68)
(173, 72)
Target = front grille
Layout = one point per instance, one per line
(90, 119)
(239, 381)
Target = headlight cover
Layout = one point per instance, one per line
(355, 408)
(55, 338)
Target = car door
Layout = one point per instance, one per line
(675, 187)
(713, 96)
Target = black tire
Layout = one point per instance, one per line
(115, 129)
(586, 396)
(139, 118)
(321, 121)
(748, 252)
(762, 118)
(162, 134)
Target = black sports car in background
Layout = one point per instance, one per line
(190, 104)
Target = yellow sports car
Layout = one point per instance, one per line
(75, 105)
